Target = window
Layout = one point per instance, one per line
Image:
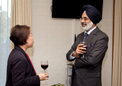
(4, 38)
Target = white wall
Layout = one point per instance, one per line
(53, 37)
(107, 26)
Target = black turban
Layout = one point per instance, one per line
(93, 14)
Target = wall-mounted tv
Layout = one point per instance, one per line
(72, 8)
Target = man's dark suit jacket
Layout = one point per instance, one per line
(88, 70)
(20, 71)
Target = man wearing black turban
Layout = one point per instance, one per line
(88, 50)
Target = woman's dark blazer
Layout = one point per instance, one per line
(20, 71)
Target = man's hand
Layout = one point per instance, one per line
(80, 50)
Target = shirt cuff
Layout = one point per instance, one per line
(72, 57)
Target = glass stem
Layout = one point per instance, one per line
(44, 71)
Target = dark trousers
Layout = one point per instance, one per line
(73, 77)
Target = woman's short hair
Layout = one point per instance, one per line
(19, 34)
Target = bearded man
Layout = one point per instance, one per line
(88, 58)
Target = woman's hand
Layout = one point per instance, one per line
(43, 76)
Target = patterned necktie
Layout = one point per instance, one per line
(86, 35)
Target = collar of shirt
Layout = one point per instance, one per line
(90, 30)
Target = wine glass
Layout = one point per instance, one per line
(44, 65)
(84, 43)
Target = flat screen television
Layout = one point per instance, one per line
(72, 8)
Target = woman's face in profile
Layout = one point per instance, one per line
(30, 40)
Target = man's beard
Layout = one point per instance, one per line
(88, 26)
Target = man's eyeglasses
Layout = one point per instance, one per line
(84, 18)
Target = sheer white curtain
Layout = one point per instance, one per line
(4, 38)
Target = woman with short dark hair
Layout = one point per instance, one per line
(20, 70)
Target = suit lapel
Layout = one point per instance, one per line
(21, 50)
(92, 35)
(81, 38)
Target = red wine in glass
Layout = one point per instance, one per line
(44, 65)
(84, 43)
